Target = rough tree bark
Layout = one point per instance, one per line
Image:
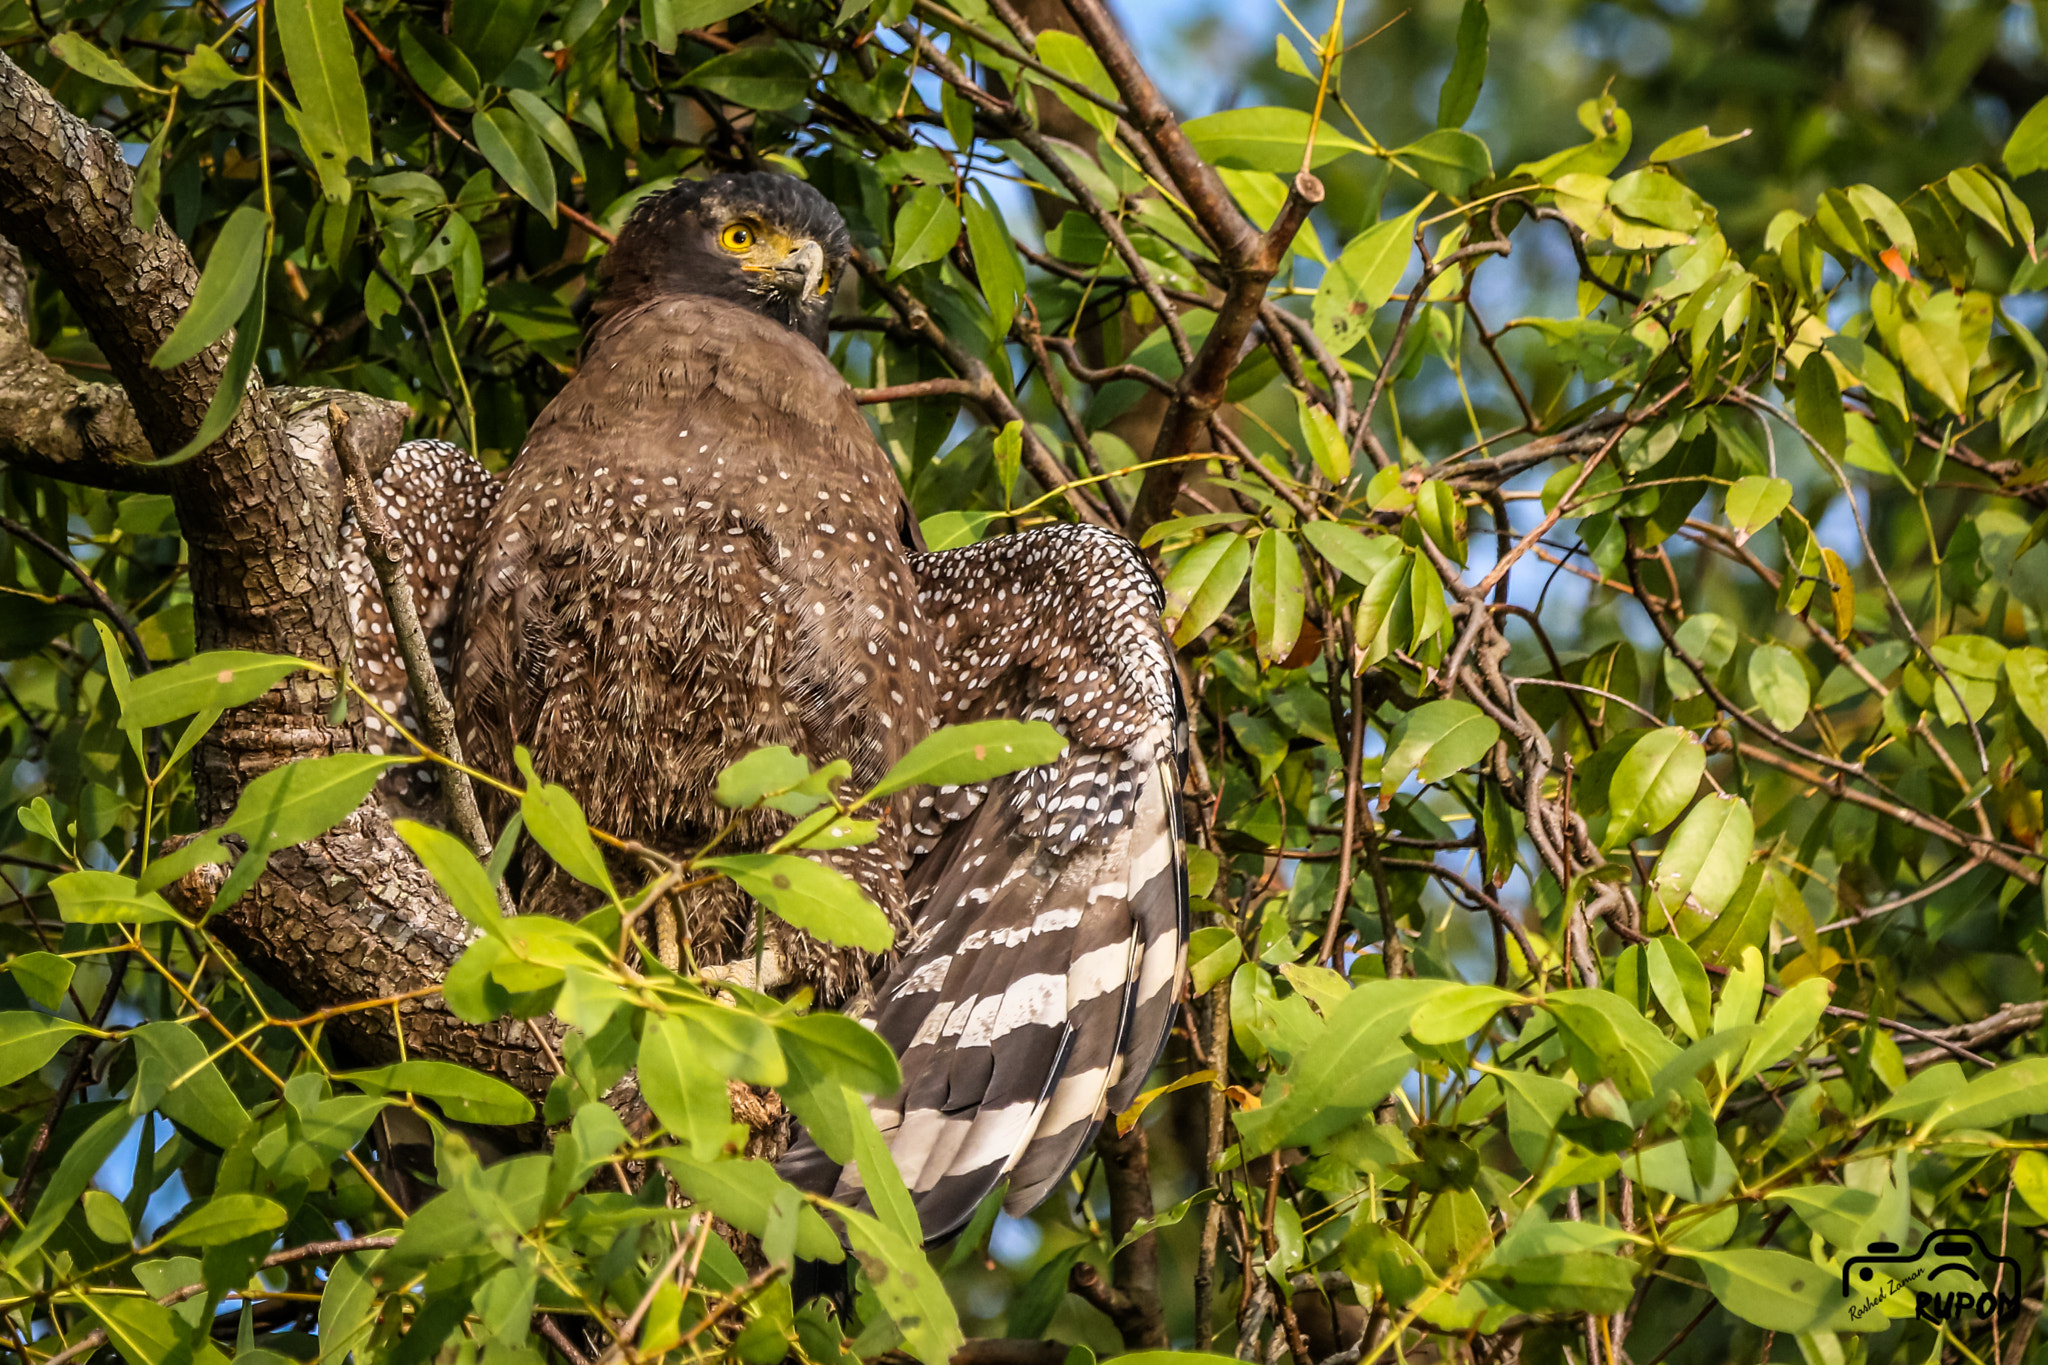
(349, 916)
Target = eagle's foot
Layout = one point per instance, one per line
(772, 972)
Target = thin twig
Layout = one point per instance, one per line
(387, 557)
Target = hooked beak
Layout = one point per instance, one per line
(797, 276)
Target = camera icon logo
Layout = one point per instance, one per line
(1960, 1273)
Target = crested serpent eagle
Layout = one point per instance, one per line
(702, 550)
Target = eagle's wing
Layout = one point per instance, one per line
(436, 496)
(1050, 907)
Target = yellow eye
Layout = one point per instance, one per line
(736, 237)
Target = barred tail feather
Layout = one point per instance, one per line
(1039, 987)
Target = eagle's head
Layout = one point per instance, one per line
(764, 240)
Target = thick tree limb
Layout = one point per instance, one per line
(49, 422)
(348, 916)
(1250, 257)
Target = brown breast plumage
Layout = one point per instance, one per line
(696, 554)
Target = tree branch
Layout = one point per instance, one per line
(350, 915)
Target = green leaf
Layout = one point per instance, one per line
(2026, 672)
(226, 1218)
(2026, 151)
(776, 777)
(81, 1162)
(1691, 142)
(1468, 68)
(1679, 981)
(43, 978)
(334, 117)
(743, 1193)
(516, 153)
(464, 1095)
(737, 1043)
(810, 896)
(556, 823)
(1871, 369)
(212, 682)
(295, 802)
(926, 227)
(491, 32)
(1654, 781)
(1265, 139)
(951, 530)
(996, 262)
(28, 1040)
(1775, 1290)
(1326, 444)
(176, 1073)
(440, 68)
(146, 1333)
(909, 1289)
(1279, 595)
(958, 755)
(1009, 455)
(1213, 954)
(685, 1093)
(856, 1055)
(758, 77)
(1566, 1282)
(1441, 517)
(879, 1178)
(1355, 1062)
(234, 379)
(2012, 1090)
(1702, 866)
(1449, 160)
(1817, 402)
(1785, 1025)
(234, 269)
(1071, 57)
(1754, 503)
(1655, 196)
(76, 52)
(109, 898)
(1202, 582)
(1779, 685)
(548, 124)
(1458, 1013)
(106, 1219)
(1437, 739)
(1361, 280)
(1934, 355)
(1613, 1038)
(456, 871)
(1357, 556)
